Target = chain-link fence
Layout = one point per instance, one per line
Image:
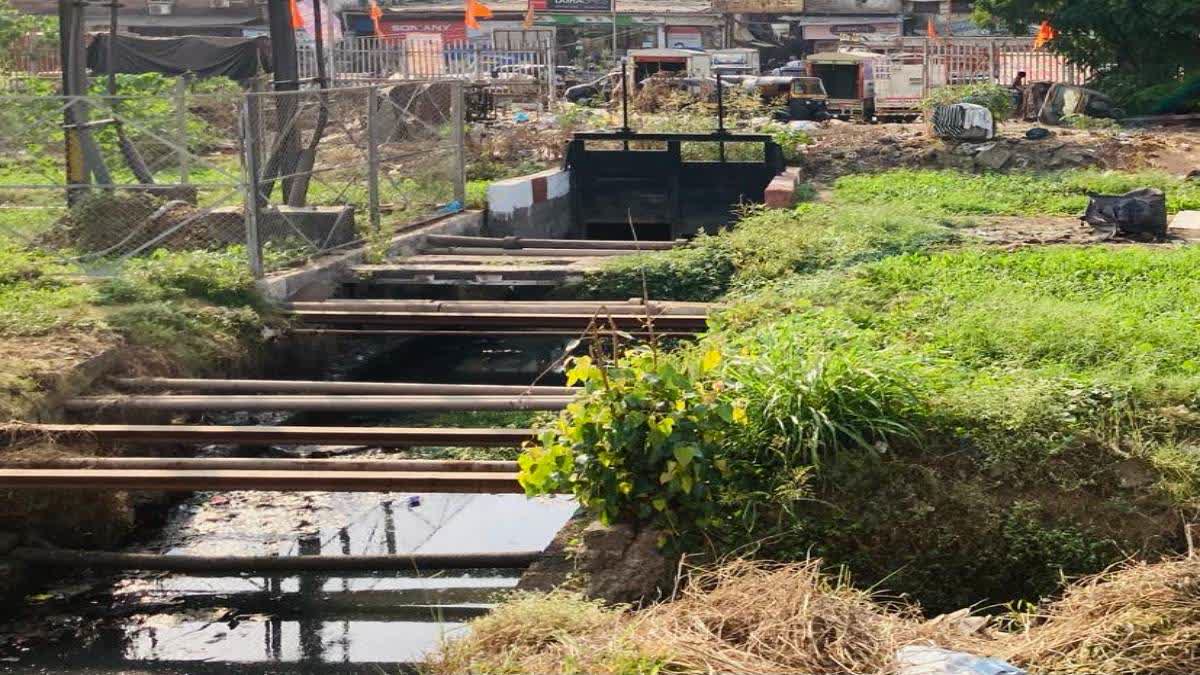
(335, 167)
(97, 179)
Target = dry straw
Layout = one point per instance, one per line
(1140, 619)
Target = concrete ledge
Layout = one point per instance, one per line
(317, 279)
(537, 205)
(781, 192)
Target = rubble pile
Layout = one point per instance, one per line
(840, 149)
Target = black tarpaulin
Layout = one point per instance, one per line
(233, 57)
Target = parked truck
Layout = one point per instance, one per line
(679, 62)
(849, 80)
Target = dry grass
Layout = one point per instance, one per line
(557, 632)
(743, 617)
(1141, 619)
(749, 617)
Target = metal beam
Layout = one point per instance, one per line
(261, 564)
(461, 482)
(262, 464)
(510, 243)
(531, 307)
(379, 437)
(580, 321)
(567, 253)
(315, 403)
(324, 387)
(467, 271)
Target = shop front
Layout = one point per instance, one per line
(824, 33)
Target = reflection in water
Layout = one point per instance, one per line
(187, 623)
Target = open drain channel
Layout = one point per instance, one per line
(357, 562)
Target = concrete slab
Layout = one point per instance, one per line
(317, 279)
(1186, 225)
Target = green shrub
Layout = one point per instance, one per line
(708, 444)
(807, 401)
(219, 277)
(996, 98)
(642, 441)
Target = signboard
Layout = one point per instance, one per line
(759, 6)
(450, 31)
(684, 37)
(838, 28)
(831, 31)
(574, 5)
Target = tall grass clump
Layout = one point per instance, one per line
(807, 402)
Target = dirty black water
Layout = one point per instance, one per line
(304, 623)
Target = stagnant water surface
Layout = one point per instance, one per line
(301, 623)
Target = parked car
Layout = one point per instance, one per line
(599, 89)
(790, 69)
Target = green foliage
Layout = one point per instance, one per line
(642, 441)
(722, 446)
(1062, 193)
(1135, 97)
(194, 338)
(700, 271)
(146, 105)
(994, 97)
(15, 25)
(219, 277)
(1089, 123)
(768, 245)
(809, 400)
(791, 140)
(1151, 41)
(477, 194)
(37, 294)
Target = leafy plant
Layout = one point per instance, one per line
(643, 441)
(994, 97)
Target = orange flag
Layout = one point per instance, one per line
(376, 14)
(930, 29)
(297, 18)
(1045, 34)
(474, 12)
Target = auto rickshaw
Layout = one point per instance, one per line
(807, 99)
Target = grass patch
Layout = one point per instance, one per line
(918, 407)
(953, 192)
(768, 245)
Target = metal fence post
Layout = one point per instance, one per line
(250, 182)
(551, 78)
(373, 214)
(458, 104)
(181, 130)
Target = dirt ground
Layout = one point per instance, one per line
(841, 148)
